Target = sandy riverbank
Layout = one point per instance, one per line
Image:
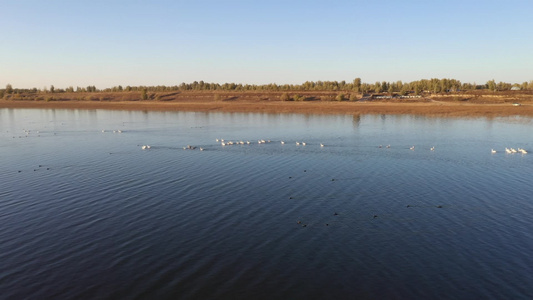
(434, 108)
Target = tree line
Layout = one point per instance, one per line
(417, 87)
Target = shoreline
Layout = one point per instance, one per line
(432, 108)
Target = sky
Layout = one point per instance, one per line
(162, 42)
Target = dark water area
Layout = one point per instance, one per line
(86, 213)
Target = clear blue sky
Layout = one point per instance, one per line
(107, 43)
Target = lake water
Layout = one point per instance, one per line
(86, 214)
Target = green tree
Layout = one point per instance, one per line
(491, 85)
(52, 89)
(284, 97)
(340, 97)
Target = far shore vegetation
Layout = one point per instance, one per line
(356, 90)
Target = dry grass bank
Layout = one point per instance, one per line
(460, 105)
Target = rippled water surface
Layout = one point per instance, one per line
(89, 214)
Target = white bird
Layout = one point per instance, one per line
(303, 144)
(201, 149)
(432, 148)
(412, 148)
(297, 143)
(321, 145)
(513, 150)
(144, 147)
(282, 142)
(223, 144)
(507, 150)
(523, 151)
(248, 142)
(103, 130)
(388, 146)
(492, 151)
(216, 140)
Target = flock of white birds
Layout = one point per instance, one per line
(224, 143)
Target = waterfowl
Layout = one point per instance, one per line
(321, 145)
(507, 150)
(297, 143)
(388, 146)
(432, 148)
(492, 151)
(282, 142)
(412, 148)
(303, 144)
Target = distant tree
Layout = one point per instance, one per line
(284, 97)
(340, 97)
(404, 90)
(144, 94)
(377, 87)
(52, 89)
(9, 89)
(417, 89)
(2, 94)
(353, 97)
(491, 85)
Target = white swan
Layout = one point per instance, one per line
(321, 145)
(432, 148)
(507, 150)
(282, 142)
(492, 151)
(412, 148)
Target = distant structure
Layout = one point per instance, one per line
(515, 88)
